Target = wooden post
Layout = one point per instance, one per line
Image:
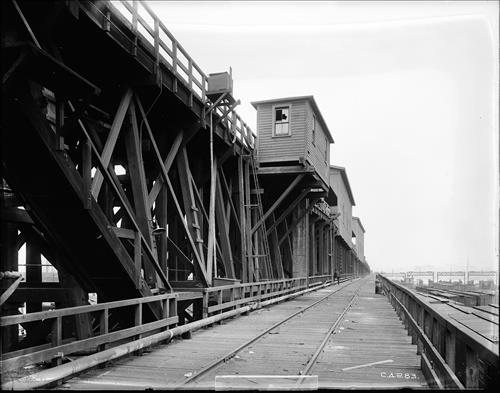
(56, 338)
(278, 263)
(9, 263)
(136, 170)
(161, 209)
(248, 235)
(223, 230)
(243, 225)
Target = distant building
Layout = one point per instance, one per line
(359, 235)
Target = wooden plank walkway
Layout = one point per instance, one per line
(371, 348)
(369, 332)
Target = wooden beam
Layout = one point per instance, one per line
(190, 207)
(211, 220)
(299, 219)
(285, 193)
(166, 178)
(135, 168)
(280, 170)
(276, 249)
(248, 229)
(229, 196)
(243, 242)
(174, 149)
(111, 141)
(128, 210)
(223, 229)
(288, 210)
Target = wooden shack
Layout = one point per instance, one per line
(339, 183)
(359, 234)
(292, 131)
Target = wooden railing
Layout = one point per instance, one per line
(451, 358)
(59, 348)
(217, 299)
(151, 34)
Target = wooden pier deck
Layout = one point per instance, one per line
(369, 347)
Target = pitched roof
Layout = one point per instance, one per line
(346, 181)
(359, 222)
(313, 103)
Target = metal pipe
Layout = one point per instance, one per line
(46, 377)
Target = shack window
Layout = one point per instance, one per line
(314, 130)
(281, 122)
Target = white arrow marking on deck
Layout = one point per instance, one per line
(368, 364)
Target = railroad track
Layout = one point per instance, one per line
(273, 337)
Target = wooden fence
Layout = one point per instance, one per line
(451, 358)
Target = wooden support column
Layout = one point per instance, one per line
(33, 273)
(313, 250)
(278, 263)
(111, 141)
(243, 221)
(190, 208)
(223, 230)
(161, 209)
(9, 263)
(133, 145)
(301, 241)
(287, 251)
(248, 211)
(321, 248)
(76, 296)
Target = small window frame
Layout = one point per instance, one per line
(282, 106)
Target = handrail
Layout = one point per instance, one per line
(441, 342)
(59, 347)
(231, 296)
(174, 57)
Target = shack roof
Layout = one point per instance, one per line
(313, 103)
(359, 222)
(345, 179)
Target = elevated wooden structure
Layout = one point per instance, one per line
(127, 169)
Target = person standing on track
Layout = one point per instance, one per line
(336, 277)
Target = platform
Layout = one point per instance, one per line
(367, 336)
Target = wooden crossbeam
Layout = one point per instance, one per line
(223, 229)
(288, 210)
(275, 247)
(189, 201)
(128, 210)
(166, 178)
(111, 141)
(297, 221)
(278, 201)
(243, 226)
(174, 149)
(229, 196)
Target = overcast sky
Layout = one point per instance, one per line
(410, 93)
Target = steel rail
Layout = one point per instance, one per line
(328, 334)
(232, 353)
(51, 375)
